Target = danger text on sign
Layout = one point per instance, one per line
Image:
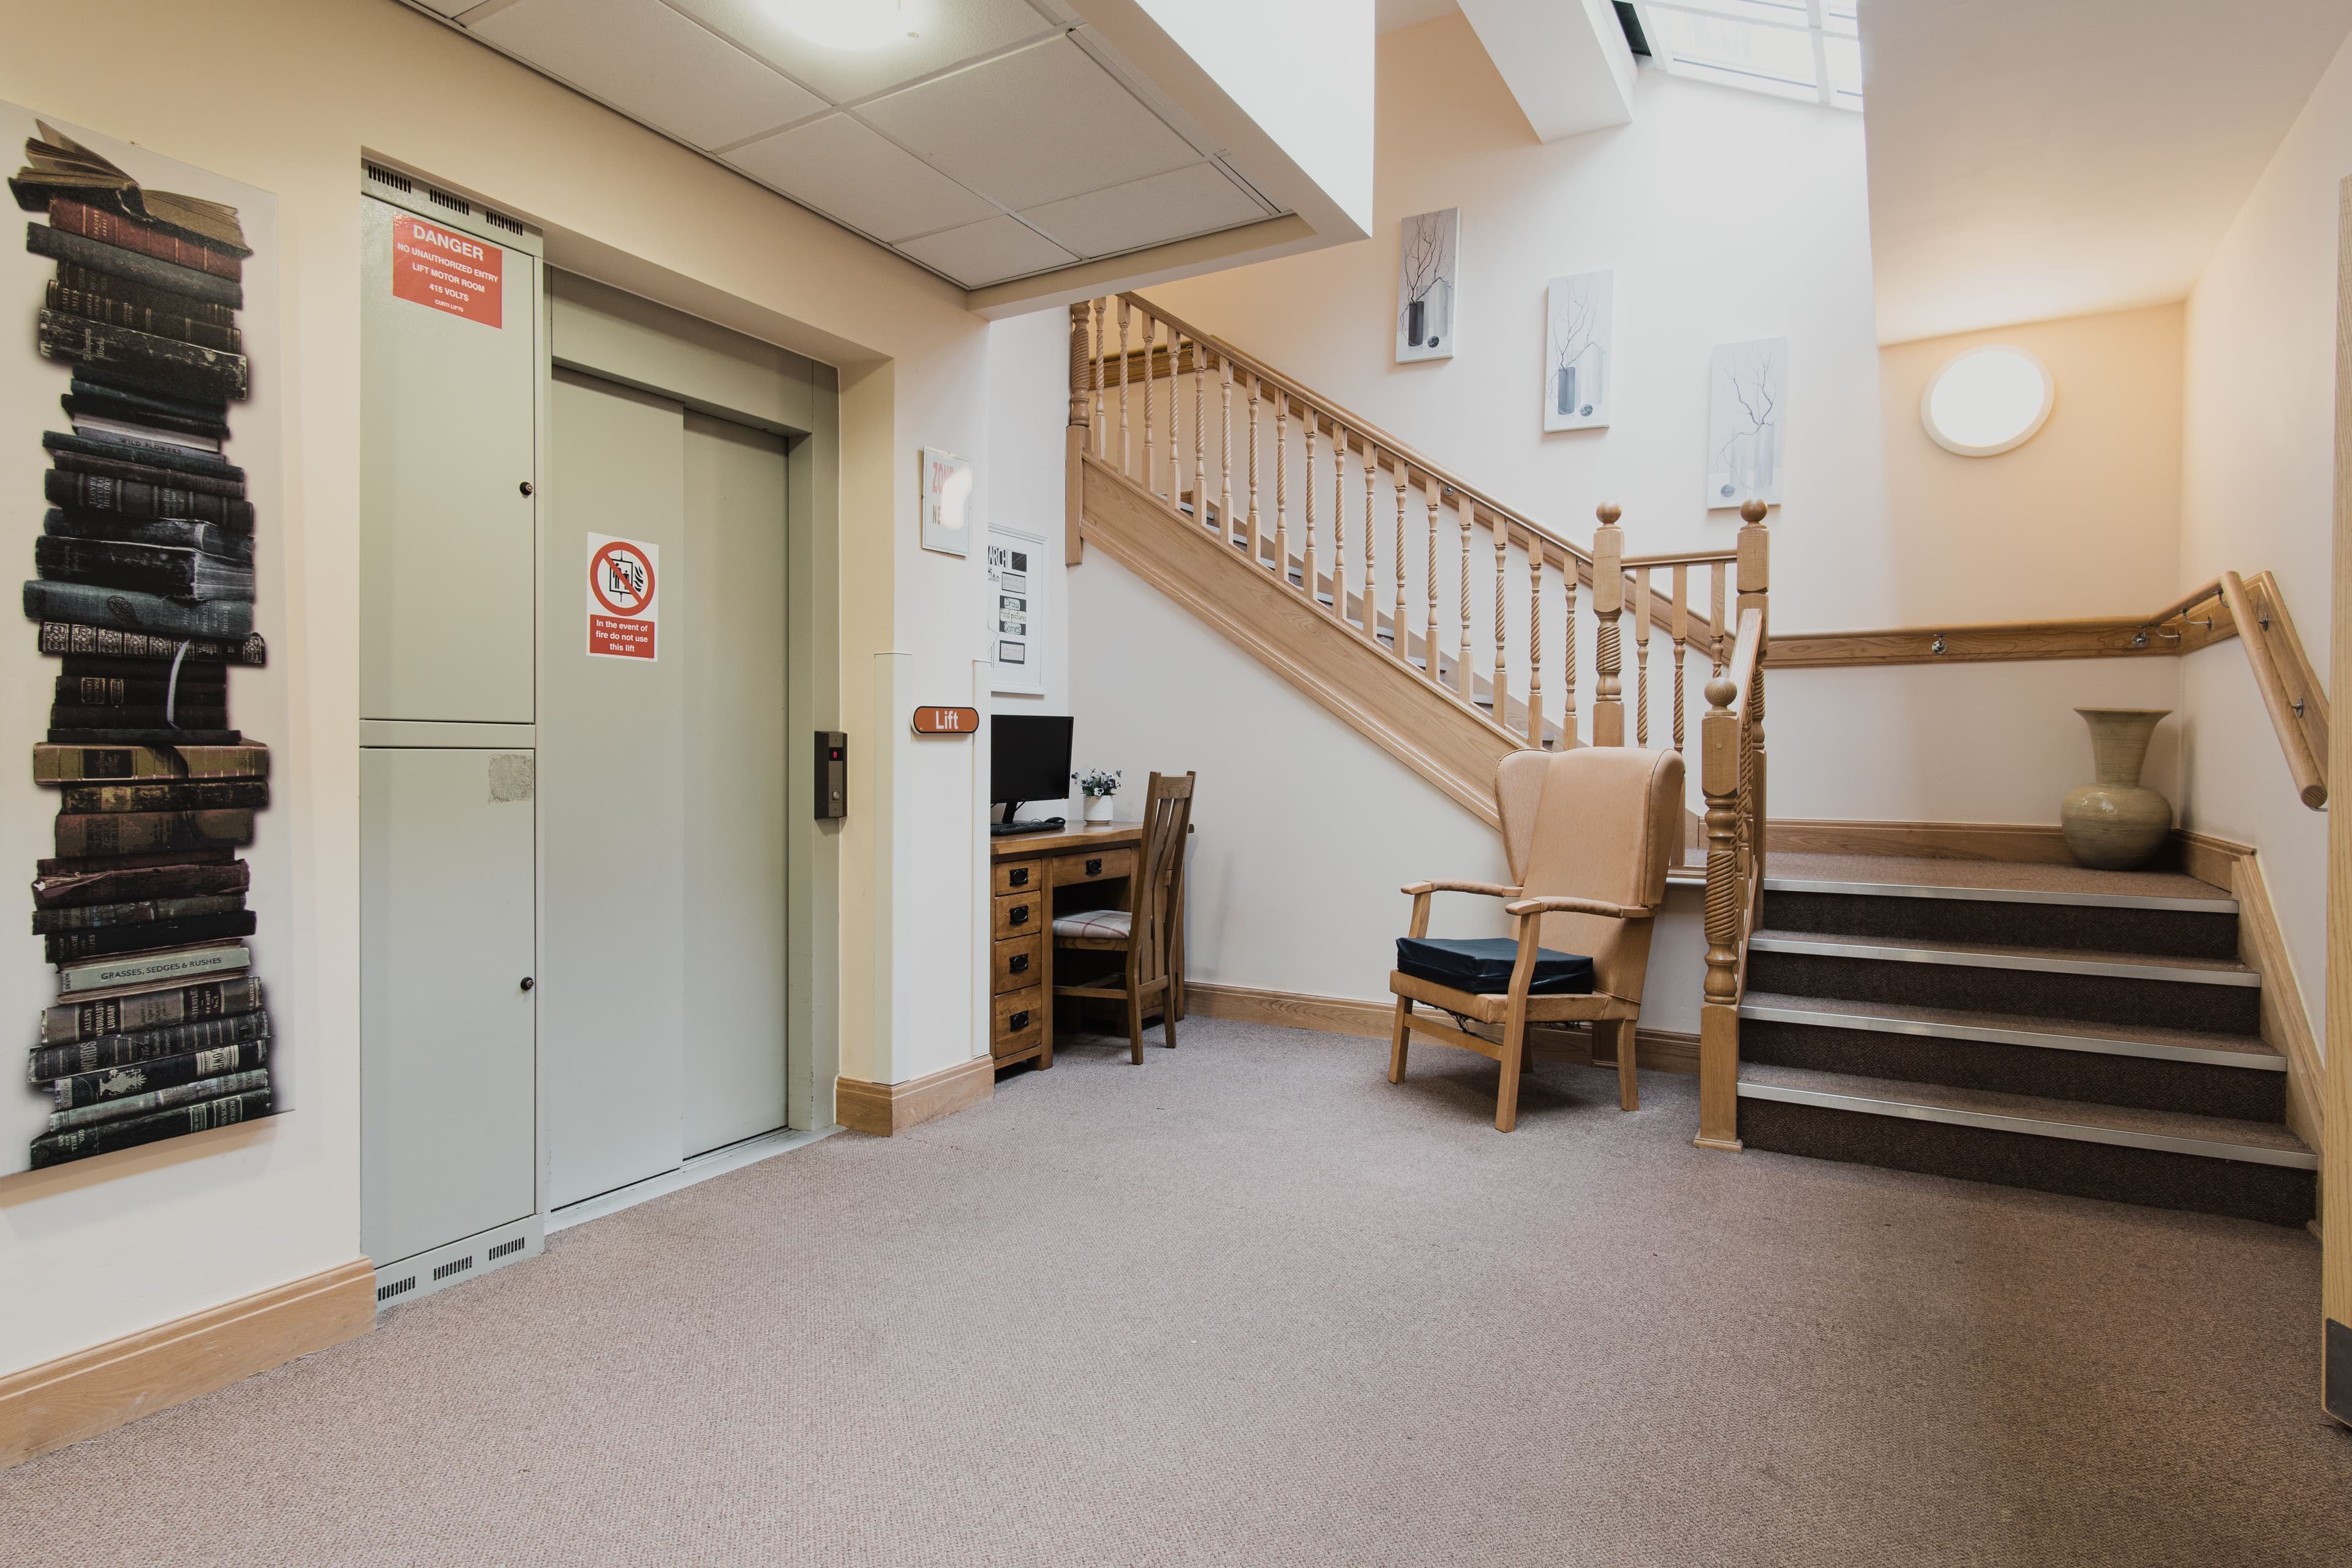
(447, 271)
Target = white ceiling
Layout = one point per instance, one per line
(1002, 139)
(2029, 160)
(1392, 15)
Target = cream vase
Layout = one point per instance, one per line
(2118, 823)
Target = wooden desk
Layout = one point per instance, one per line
(1026, 872)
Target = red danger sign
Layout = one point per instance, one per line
(624, 612)
(447, 271)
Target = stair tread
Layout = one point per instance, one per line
(2019, 1028)
(1918, 877)
(1991, 955)
(2056, 1117)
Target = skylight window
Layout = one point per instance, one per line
(1805, 49)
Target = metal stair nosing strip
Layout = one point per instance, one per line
(2115, 966)
(1995, 1035)
(2078, 1132)
(2001, 895)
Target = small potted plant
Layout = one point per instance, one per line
(1099, 785)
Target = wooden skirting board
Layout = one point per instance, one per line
(2262, 945)
(883, 1109)
(1656, 1051)
(2035, 844)
(109, 1385)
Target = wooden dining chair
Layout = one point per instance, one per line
(1588, 833)
(1143, 934)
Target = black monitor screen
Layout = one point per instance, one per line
(1029, 757)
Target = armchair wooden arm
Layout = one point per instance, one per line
(1421, 892)
(1528, 908)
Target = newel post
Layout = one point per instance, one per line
(1608, 603)
(1755, 584)
(1718, 1017)
(1074, 439)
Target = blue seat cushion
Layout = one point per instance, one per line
(1483, 964)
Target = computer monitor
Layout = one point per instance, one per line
(1029, 760)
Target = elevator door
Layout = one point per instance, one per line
(662, 795)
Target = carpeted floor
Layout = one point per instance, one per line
(1249, 1304)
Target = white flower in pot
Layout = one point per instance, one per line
(1099, 785)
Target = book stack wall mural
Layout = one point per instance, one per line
(143, 598)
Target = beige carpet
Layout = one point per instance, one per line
(1248, 1304)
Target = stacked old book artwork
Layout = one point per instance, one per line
(142, 594)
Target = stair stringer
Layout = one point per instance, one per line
(1366, 686)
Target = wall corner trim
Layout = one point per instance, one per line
(883, 1109)
(111, 1384)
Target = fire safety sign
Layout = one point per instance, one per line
(623, 609)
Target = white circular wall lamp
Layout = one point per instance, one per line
(1987, 400)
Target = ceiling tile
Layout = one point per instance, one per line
(948, 33)
(651, 64)
(1032, 127)
(846, 172)
(1174, 206)
(990, 252)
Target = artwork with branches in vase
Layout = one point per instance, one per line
(1579, 373)
(1747, 405)
(1429, 267)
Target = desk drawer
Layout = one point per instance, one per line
(1019, 961)
(1099, 867)
(1018, 914)
(1018, 876)
(1020, 1021)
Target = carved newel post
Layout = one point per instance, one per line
(1607, 604)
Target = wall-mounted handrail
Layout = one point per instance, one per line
(2255, 630)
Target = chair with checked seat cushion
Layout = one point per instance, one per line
(1588, 833)
(1145, 932)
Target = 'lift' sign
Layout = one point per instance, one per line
(947, 720)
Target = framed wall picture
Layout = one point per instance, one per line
(1579, 350)
(1748, 401)
(1429, 271)
(1016, 607)
(947, 502)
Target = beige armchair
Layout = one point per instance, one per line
(1588, 834)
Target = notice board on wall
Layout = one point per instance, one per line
(1015, 610)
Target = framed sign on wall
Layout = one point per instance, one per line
(1016, 607)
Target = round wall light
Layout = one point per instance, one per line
(1987, 400)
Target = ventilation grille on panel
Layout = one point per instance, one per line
(455, 1265)
(456, 203)
(504, 1247)
(383, 175)
(397, 1288)
(500, 220)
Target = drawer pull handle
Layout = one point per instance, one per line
(1020, 964)
(1019, 917)
(1019, 876)
(1094, 867)
(1018, 1022)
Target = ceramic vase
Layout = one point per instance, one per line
(1098, 808)
(2118, 823)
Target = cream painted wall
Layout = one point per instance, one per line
(85, 1257)
(2258, 471)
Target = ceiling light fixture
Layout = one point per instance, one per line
(853, 24)
(1988, 401)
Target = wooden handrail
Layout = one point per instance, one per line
(2310, 775)
(1745, 655)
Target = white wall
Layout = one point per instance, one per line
(91, 1252)
(2258, 472)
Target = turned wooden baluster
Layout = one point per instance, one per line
(1399, 638)
(1281, 486)
(1608, 602)
(1535, 642)
(1642, 656)
(1568, 714)
(1371, 577)
(1306, 576)
(1151, 455)
(1226, 531)
(1126, 464)
(1078, 438)
(1429, 632)
(1680, 642)
(1720, 630)
(1257, 530)
(1201, 440)
(1102, 348)
(1718, 1027)
(1502, 653)
(1755, 583)
(1339, 521)
(1465, 679)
